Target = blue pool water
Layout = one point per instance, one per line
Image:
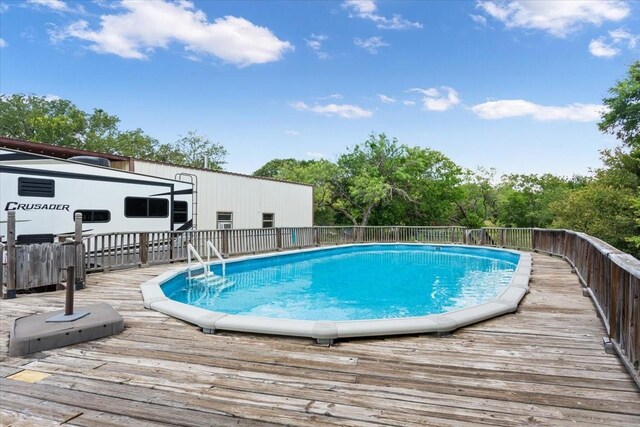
(352, 283)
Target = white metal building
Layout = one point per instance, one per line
(221, 199)
(228, 200)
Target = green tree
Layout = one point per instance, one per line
(622, 114)
(525, 200)
(368, 175)
(277, 167)
(477, 205)
(432, 181)
(59, 122)
(319, 173)
(199, 151)
(621, 173)
(381, 176)
(600, 210)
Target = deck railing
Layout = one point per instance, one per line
(610, 277)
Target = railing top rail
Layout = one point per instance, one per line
(503, 228)
(387, 226)
(627, 262)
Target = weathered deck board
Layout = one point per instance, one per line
(543, 365)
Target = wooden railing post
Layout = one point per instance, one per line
(225, 242)
(79, 259)
(614, 300)
(11, 255)
(279, 238)
(143, 239)
(503, 231)
(316, 236)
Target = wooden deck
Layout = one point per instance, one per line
(544, 365)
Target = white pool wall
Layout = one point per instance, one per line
(327, 331)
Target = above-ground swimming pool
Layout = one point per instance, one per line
(347, 291)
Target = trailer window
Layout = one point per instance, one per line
(268, 220)
(225, 220)
(28, 239)
(180, 212)
(143, 207)
(158, 208)
(34, 187)
(94, 216)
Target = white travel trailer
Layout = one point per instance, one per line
(46, 192)
(220, 200)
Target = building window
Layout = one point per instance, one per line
(225, 220)
(143, 207)
(94, 216)
(34, 187)
(268, 220)
(180, 212)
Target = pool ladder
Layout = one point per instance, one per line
(206, 273)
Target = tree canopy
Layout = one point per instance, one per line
(622, 114)
(59, 122)
(378, 181)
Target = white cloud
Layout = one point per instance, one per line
(3, 43)
(557, 17)
(361, 7)
(366, 9)
(609, 46)
(291, 132)
(621, 36)
(145, 26)
(505, 108)
(315, 43)
(194, 58)
(345, 111)
(409, 103)
(386, 99)
(479, 19)
(332, 96)
(371, 44)
(601, 49)
(57, 5)
(4, 7)
(438, 99)
(315, 155)
(52, 97)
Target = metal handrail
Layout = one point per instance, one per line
(192, 250)
(211, 247)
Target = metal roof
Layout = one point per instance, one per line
(53, 150)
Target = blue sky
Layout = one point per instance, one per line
(511, 85)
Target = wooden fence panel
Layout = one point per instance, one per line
(45, 264)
